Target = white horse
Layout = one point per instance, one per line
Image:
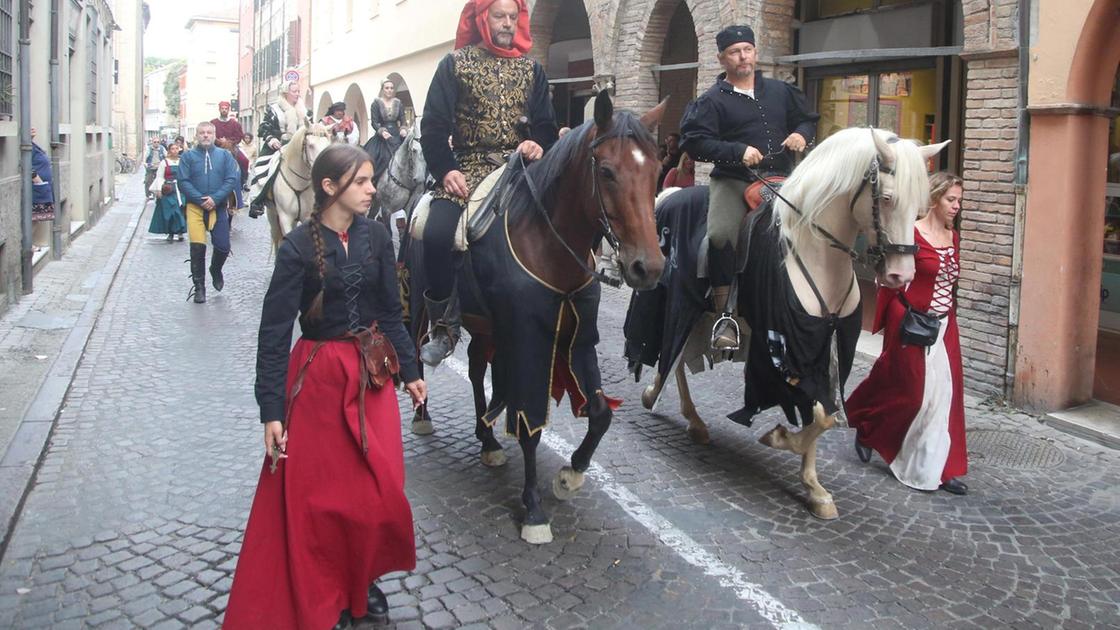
(834, 191)
(292, 199)
(400, 185)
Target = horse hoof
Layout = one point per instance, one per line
(649, 397)
(699, 435)
(824, 509)
(537, 534)
(775, 438)
(423, 427)
(493, 459)
(567, 483)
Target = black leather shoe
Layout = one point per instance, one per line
(343, 621)
(863, 452)
(255, 210)
(378, 605)
(955, 486)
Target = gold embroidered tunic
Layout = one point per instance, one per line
(476, 100)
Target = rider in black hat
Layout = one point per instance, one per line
(744, 120)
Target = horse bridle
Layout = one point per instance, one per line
(299, 191)
(877, 253)
(605, 229)
(392, 161)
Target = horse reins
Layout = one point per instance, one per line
(299, 192)
(876, 253)
(605, 229)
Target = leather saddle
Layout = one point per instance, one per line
(487, 202)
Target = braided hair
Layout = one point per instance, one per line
(338, 163)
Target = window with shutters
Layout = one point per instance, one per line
(7, 57)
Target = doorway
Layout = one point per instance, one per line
(1106, 378)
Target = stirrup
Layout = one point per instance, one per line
(727, 320)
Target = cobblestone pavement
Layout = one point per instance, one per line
(136, 516)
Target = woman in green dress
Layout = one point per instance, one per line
(168, 217)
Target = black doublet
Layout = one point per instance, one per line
(361, 288)
(719, 125)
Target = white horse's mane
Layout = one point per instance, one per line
(834, 170)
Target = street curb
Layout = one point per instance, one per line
(25, 452)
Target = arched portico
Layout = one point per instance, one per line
(1062, 262)
(356, 107)
(564, 43)
(325, 101)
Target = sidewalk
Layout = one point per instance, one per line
(42, 337)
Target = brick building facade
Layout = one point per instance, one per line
(928, 69)
(977, 66)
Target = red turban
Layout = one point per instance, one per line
(473, 29)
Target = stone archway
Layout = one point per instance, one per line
(1060, 304)
(641, 42)
(325, 102)
(356, 107)
(403, 94)
(564, 43)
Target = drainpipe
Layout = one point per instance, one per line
(1022, 161)
(56, 144)
(25, 144)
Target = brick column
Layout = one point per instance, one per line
(988, 221)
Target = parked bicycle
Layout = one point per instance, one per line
(125, 164)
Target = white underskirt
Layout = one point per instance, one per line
(925, 449)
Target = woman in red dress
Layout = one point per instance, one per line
(330, 515)
(683, 175)
(910, 409)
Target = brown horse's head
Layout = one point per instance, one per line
(624, 177)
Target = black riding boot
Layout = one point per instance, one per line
(256, 209)
(198, 272)
(444, 321)
(216, 263)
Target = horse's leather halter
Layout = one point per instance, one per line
(877, 253)
(605, 229)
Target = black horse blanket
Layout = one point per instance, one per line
(529, 365)
(789, 357)
(795, 359)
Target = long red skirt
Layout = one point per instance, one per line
(330, 520)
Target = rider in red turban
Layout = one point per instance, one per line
(474, 29)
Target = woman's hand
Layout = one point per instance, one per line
(419, 392)
(385, 134)
(275, 437)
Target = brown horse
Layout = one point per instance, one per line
(530, 299)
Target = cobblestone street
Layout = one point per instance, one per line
(136, 514)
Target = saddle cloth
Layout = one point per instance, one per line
(264, 171)
(478, 197)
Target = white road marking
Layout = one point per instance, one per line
(681, 543)
(639, 157)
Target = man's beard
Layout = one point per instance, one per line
(503, 40)
(742, 74)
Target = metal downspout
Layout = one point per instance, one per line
(26, 239)
(1022, 163)
(56, 139)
